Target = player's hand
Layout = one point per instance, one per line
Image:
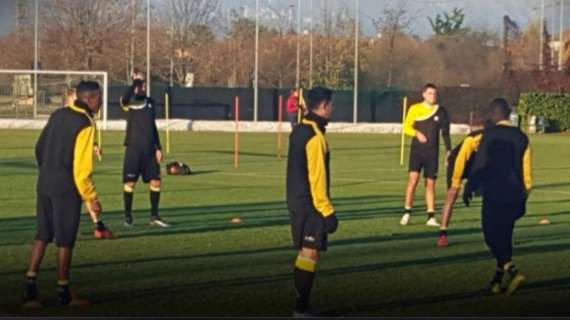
(159, 156)
(447, 155)
(94, 207)
(467, 195)
(421, 137)
(97, 151)
(331, 224)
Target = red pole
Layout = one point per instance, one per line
(279, 129)
(236, 135)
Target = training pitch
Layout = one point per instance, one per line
(206, 265)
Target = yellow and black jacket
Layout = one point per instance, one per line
(308, 176)
(429, 120)
(64, 153)
(141, 125)
(502, 167)
(461, 159)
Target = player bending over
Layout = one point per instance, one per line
(459, 168)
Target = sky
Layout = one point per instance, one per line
(480, 14)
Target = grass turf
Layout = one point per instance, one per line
(204, 265)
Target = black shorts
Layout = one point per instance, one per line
(425, 159)
(139, 162)
(308, 231)
(58, 217)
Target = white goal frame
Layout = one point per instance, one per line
(67, 72)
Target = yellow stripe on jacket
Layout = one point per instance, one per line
(527, 169)
(83, 163)
(470, 145)
(417, 111)
(316, 150)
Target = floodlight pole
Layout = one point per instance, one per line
(36, 11)
(311, 45)
(148, 84)
(561, 47)
(256, 72)
(356, 40)
(298, 74)
(541, 53)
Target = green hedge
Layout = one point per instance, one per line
(553, 106)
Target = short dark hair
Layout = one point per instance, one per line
(501, 107)
(87, 87)
(429, 86)
(318, 95)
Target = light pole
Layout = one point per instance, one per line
(36, 11)
(256, 75)
(311, 44)
(298, 75)
(541, 53)
(148, 85)
(356, 40)
(561, 47)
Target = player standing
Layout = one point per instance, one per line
(64, 153)
(502, 169)
(311, 212)
(143, 151)
(424, 123)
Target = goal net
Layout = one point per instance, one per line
(33, 94)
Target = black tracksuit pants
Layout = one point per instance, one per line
(498, 221)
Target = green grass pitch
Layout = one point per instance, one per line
(204, 265)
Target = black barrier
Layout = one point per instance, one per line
(465, 105)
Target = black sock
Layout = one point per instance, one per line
(431, 215)
(443, 233)
(154, 201)
(303, 285)
(128, 200)
(63, 294)
(31, 289)
(498, 277)
(100, 226)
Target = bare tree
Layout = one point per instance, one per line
(84, 34)
(394, 22)
(191, 24)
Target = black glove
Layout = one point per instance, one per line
(331, 224)
(467, 195)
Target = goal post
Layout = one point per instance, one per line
(19, 99)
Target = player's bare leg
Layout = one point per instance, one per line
(430, 202)
(31, 298)
(305, 267)
(446, 213)
(413, 180)
(64, 295)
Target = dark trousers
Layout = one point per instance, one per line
(498, 221)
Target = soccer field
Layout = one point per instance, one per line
(204, 265)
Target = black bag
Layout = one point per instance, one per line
(178, 169)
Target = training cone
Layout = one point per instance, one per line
(544, 222)
(236, 220)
